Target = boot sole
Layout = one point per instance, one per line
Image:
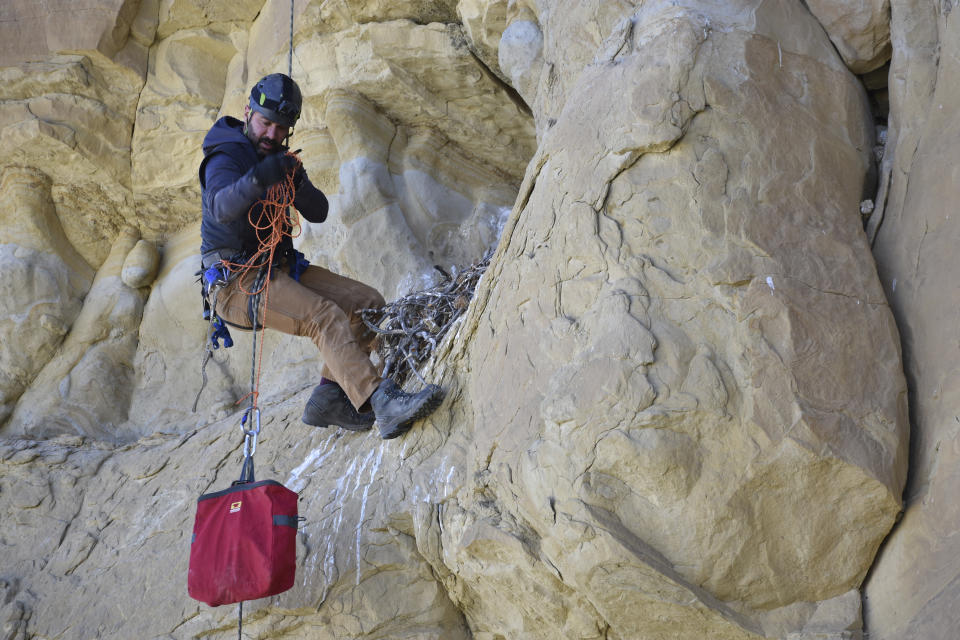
(400, 427)
(323, 423)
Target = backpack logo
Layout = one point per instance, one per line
(235, 506)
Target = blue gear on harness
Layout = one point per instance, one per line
(216, 274)
(298, 264)
(220, 332)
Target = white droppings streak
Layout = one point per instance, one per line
(314, 460)
(502, 220)
(363, 499)
(438, 481)
(336, 500)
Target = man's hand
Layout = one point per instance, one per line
(309, 201)
(299, 176)
(273, 169)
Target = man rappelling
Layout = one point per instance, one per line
(243, 161)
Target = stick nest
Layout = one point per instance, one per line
(411, 328)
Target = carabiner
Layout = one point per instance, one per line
(250, 435)
(255, 429)
(249, 444)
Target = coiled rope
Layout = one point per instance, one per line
(271, 221)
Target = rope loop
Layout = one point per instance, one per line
(271, 225)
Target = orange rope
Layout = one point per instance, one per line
(271, 225)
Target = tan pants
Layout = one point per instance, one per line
(324, 307)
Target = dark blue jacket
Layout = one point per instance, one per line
(228, 189)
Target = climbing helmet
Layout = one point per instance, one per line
(278, 98)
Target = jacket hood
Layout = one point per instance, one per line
(227, 135)
(226, 130)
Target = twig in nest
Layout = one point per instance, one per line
(411, 328)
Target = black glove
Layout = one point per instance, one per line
(299, 176)
(273, 169)
(310, 202)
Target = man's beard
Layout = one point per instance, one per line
(272, 145)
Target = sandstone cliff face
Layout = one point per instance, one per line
(914, 590)
(676, 406)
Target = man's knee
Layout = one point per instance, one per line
(366, 297)
(376, 299)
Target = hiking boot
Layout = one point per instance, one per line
(329, 406)
(397, 410)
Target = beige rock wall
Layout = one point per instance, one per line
(670, 357)
(675, 409)
(118, 29)
(44, 281)
(184, 88)
(85, 389)
(70, 117)
(859, 30)
(114, 524)
(914, 589)
(66, 120)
